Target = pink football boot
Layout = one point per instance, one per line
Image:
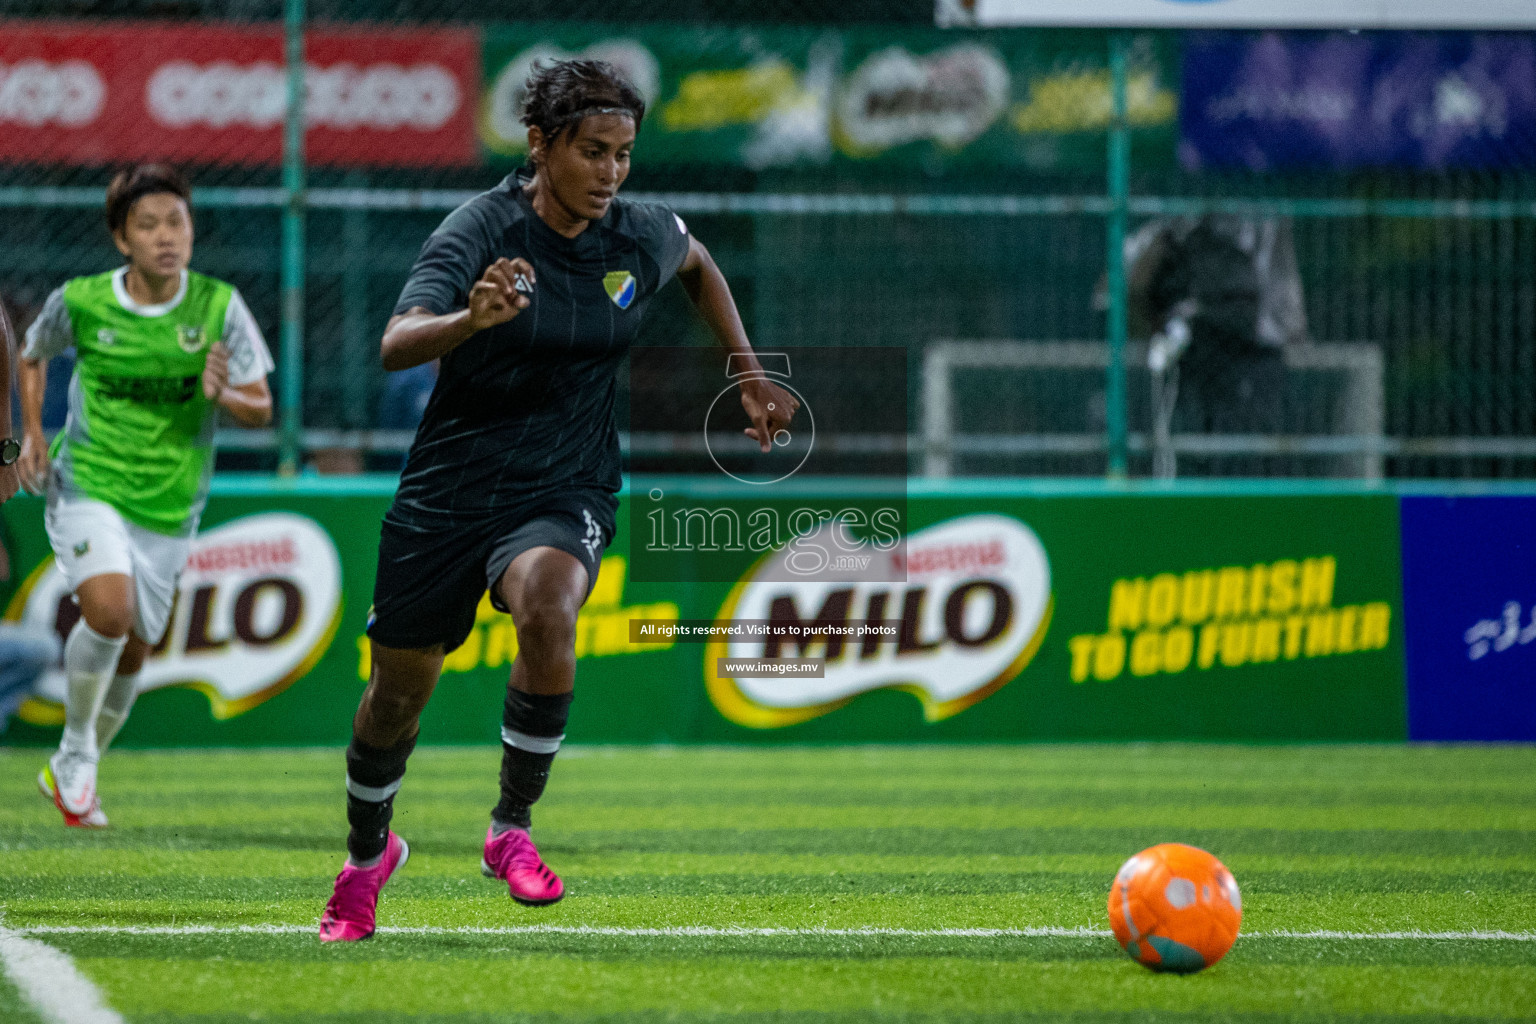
(349, 914)
(513, 858)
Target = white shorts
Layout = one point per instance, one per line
(91, 538)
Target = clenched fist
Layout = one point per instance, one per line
(501, 293)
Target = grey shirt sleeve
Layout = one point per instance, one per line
(662, 236)
(249, 358)
(450, 263)
(670, 242)
(52, 332)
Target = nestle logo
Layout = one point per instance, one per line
(259, 555)
(968, 557)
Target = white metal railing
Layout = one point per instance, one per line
(1358, 445)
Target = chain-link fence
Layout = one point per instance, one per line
(863, 179)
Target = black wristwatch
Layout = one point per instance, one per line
(10, 451)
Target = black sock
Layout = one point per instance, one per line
(373, 777)
(532, 726)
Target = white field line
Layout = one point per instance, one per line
(706, 931)
(50, 982)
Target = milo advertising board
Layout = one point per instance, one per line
(251, 653)
(1096, 617)
(1001, 616)
(767, 97)
(973, 611)
(259, 603)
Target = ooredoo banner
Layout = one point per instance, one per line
(216, 94)
(1005, 617)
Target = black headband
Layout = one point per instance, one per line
(587, 112)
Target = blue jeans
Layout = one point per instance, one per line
(25, 652)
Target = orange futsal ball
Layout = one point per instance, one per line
(1175, 908)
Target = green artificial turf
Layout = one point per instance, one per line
(13, 1008)
(1351, 839)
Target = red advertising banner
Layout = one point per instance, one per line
(73, 93)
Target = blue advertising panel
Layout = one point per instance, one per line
(1418, 100)
(1469, 601)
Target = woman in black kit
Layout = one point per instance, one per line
(531, 295)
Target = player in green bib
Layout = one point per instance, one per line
(159, 350)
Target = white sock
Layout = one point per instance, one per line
(114, 708)
(89, 661)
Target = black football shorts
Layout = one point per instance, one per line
(434, 569)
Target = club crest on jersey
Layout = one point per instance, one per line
(620, 285)
(190, 337)
(106, 337)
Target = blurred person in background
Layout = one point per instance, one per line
(159, 351)
(1219, 297)
(405, 397)
(339, 460)
(26, 652)
(55, 391)
(10, 448)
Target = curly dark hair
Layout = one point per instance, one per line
(133, 184)
(558, 95)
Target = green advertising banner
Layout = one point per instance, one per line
(776, 97)
(1092, 616)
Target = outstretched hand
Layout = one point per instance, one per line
(501, 293)
(769, 407)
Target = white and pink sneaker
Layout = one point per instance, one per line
(69, 780)
(350, 913)
(514, 859)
